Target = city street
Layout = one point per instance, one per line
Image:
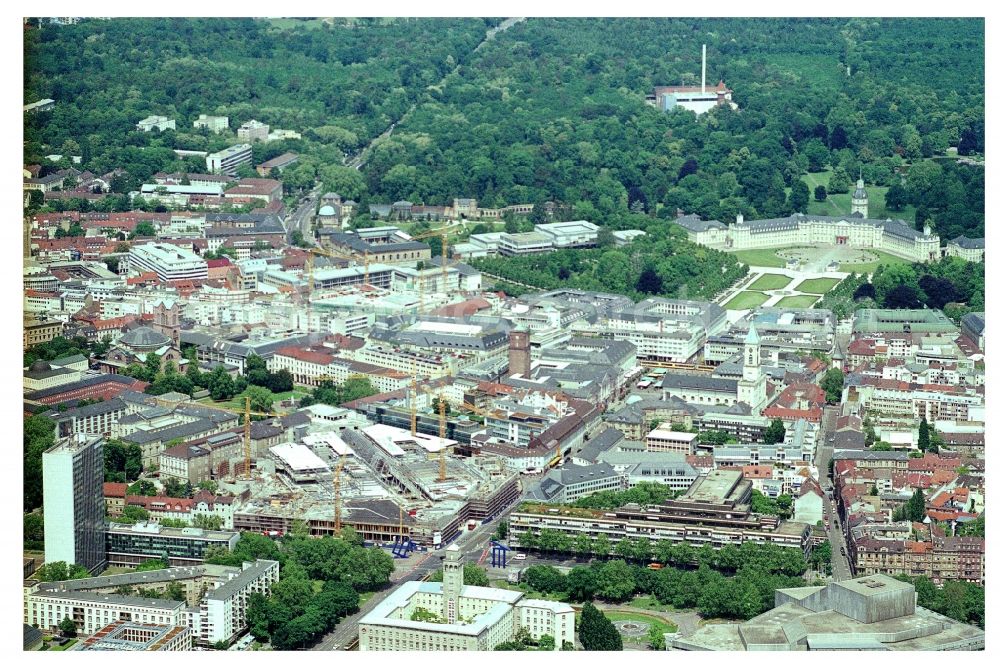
(300, 218)
(841, 567)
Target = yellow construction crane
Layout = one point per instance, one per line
(443, 233)
(311, 284)
(247, 413)
(336, 495)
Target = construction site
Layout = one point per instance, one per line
(387, 484)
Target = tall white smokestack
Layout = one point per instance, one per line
(704, 51)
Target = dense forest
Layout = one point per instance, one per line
(339, 86)
(549, 109)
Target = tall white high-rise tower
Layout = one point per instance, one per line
(451, 586)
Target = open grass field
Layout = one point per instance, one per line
(746, 300)
(817, 285)
(885, 259)
(765, 258)
(770, 281)
(797, 301)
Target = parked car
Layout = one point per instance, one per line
(520, 556)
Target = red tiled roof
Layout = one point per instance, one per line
(319, 356)
(115, 489)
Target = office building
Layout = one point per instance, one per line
(715, 510)
(229, 160)
(450, 616)
(131, 545)
(169, 262)
(73, 499)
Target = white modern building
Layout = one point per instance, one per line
(156, 122)
(450, 616)
(223, 611)
(229, 160)
(569, 234)
(214, 124)
(73, 501)
(169, 262)
(253, 130)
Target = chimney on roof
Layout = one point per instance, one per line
(704, 52)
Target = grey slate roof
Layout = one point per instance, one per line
(975, 322)
(679, 382)
(592, 449)
(696, 224)
(144, 336)
(969, 243)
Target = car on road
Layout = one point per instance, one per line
(842, 551)
(520, 556)
(836, 524)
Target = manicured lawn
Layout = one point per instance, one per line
(885, 259)
(364, 597)
(769, 281)
(746, 300)
(763, 257)
(797, 301)
(817, 285)
(667, 626)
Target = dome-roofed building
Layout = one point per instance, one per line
(143, 339)
(329, 216)
(136, 344)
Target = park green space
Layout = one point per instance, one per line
(237, 402)
(746, 300)
(769, 281)
(797, 301)
(817, 285)
(654, 622)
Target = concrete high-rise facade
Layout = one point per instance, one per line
(73, 497)
(519, 353)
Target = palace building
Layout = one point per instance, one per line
(895, 237)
